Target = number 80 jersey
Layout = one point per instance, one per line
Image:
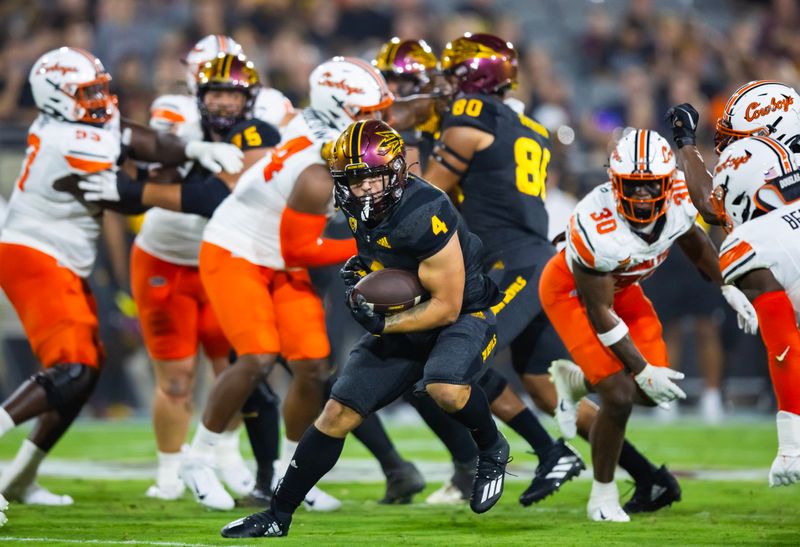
(600, 239)
(504, 186)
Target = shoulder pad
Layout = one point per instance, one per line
(737, 257)
(593, 236)
(478, 111)
(271, 106)
(426, 221)
(680, 196)
(168, 111)
(253, 133)
(88, 149)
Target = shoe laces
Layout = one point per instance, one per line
(488, 467)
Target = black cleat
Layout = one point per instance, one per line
(402, 483)
(488, 484)
(259, 497)
(662, 490)
(257, 525)
(559, 463)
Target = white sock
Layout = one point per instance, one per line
(204, 442)
(788, 426)
(604, 491)
(169, 464)
(287, 450)
(22, 471)
(6, 423)
(229, 440)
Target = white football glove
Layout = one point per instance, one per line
(656, 382)
(745, 312)
(216, 156)
(100, 186)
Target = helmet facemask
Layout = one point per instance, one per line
(641, 197)
(94, 99)
(371, 205)
(725, 135)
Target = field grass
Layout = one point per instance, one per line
(111, 512)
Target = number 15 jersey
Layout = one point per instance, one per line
(600, 239)
(503, 188)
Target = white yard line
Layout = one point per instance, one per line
(50, 541)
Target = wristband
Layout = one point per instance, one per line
(613, 336)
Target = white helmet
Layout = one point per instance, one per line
(642, 167)
(207, 50)
(344, 87)
(71, 84)
(760, 108)
(753, 176)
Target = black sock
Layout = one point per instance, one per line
(477, 417)
(637, 466)
(262, 421)
(372, 434)
(456, 438)
(316, 454)
(529, 428)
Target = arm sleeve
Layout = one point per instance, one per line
(302, 244)
(203, 197)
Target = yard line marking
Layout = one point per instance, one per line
(103, 542)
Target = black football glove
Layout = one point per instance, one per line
(351, 273)
(683, 120)
(368, 318)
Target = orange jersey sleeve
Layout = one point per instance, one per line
(302, 244)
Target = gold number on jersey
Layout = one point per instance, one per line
(531, 160)
(604, 220)
(252, 136)
(438, 226)
(33, 149)
(471, 107)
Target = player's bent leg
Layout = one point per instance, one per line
(316, 454)
(305, 396)
(262, 418)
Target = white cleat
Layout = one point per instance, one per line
(568, 379)
(235, 474)
(785, 469)
(168, 491)
(319, 500)
(606, 511)
(3, 509)
(447, 494)
(201, 480)
(712, 409)
(34, 494)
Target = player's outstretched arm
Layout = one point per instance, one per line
(304, 219)
(442, 275)
(683, 120)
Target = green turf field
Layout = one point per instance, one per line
(714, 512)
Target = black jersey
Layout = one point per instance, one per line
(418, 227)
(504, 186)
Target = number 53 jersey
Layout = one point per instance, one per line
(600, 239)
(503, 188)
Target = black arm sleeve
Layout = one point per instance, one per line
(203, 197)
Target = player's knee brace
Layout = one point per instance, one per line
(493, 384)
(67, 384)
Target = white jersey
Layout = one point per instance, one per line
(770, 242)
(600, 238)
(175, 237)
(248, 222)
(46, 219)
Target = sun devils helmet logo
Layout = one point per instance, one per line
(392, 143)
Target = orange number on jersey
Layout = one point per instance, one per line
(283, 152)
(33, 149)
(604, 220)
(80, 134)
(679, 197)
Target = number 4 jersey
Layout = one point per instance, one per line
(600, 239)
(503, 188)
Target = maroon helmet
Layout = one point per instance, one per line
(368, 149)
(481, 63)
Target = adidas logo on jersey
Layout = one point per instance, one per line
(384, 242)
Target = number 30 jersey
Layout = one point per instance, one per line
(768, 242)
(600, 239)
(503, 188)
(248, 222)
(46, 219)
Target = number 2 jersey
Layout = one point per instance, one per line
(601, 239)
(772, 242)
(503, 188)
(51, 221)
(172, 236)
(248, 222)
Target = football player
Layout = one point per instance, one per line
(758, 108)
(497, 160)
(618, 234)
(173, 308)
(440, 345)
(756, 188)
(48, 247)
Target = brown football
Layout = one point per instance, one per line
(391, 291)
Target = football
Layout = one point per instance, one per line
(391, 291)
